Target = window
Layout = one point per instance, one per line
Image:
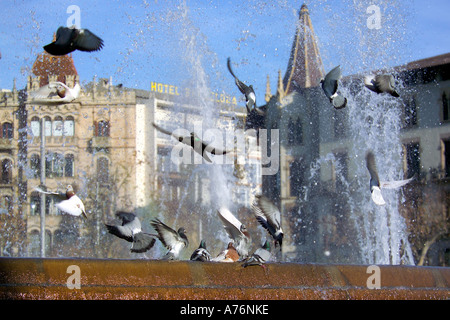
(69, 127)
(445, 107)
(102, 129)
(296, 177)
(48, 127)
(54, 165)
(412, 159)
(6, 205)
(35, 204)
(69, 165)
(102, 170)
(410, 113)
(57, 127)
(35, 127)
(6, 171)
(445, 155)
(295, 132)
(7, 130)
(35, 165)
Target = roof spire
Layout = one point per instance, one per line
(305, 67)
(268, 91)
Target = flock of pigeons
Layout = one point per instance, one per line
(128, 226)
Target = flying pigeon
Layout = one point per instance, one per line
(330, 86)
(259, 257)
(236, 231)
(67, 202)
(71, 39)
(195, 142)
(248, 91)
(130, 230)
(230, 254)
(269, 216)
(382, 83)
(173, 240)
(201, 253)
(376, 185)
(46, 94)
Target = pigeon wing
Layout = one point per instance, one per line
(59, 196)
(231, 224)
(267, 214)
(126, 217)
(123, 232)
(166, 234)
(377, 197)
(371, 166)
(71, 206)
(330, 83)
(85, 40)
(394, 184)
(241, 86)
(61, 45)
(142, 242)
(46, 91)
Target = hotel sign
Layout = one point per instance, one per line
(177, 91)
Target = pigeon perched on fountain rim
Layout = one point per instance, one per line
(69, 39)
(201, 253)
(174, 241)
(259, 257)
(230, 254)
(130, 230)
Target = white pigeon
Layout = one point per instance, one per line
(67, 202)
(55, 93)
(376, 185)
(236, 231)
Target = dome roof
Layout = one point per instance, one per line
(49, 65)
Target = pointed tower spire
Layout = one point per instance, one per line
(280, 88)
(305, 67)
(268, 94)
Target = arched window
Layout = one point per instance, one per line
(54, 165)
(48, 127)
(68, 165)
(295, 132)
(57, 126)
(35, 127)
(7, 130)
(35, 204)
(35, 165)
(102, 170)
(6, 171)
(102, 128)
(6, 204)
(69, 126)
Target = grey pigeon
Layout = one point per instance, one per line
(195, 142)
(201, 253)
(376, 185)
(269, 216)
(71, 39)
(236, 231)
(248, 91)
(174, 241)
(259, 257)
(382, 83)
(130, 230)
(67, 202)
(330, 87)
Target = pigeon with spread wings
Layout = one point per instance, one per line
(174, 241)
(382, 83)
(269, 216)
(130, 229)
(55, 93)
(67, 202)
(248, 91)
(71, 39)
(195, 143)
(236, 231)
(376, 185)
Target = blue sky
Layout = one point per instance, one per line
(144, 39)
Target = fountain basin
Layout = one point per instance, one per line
(36, 278)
